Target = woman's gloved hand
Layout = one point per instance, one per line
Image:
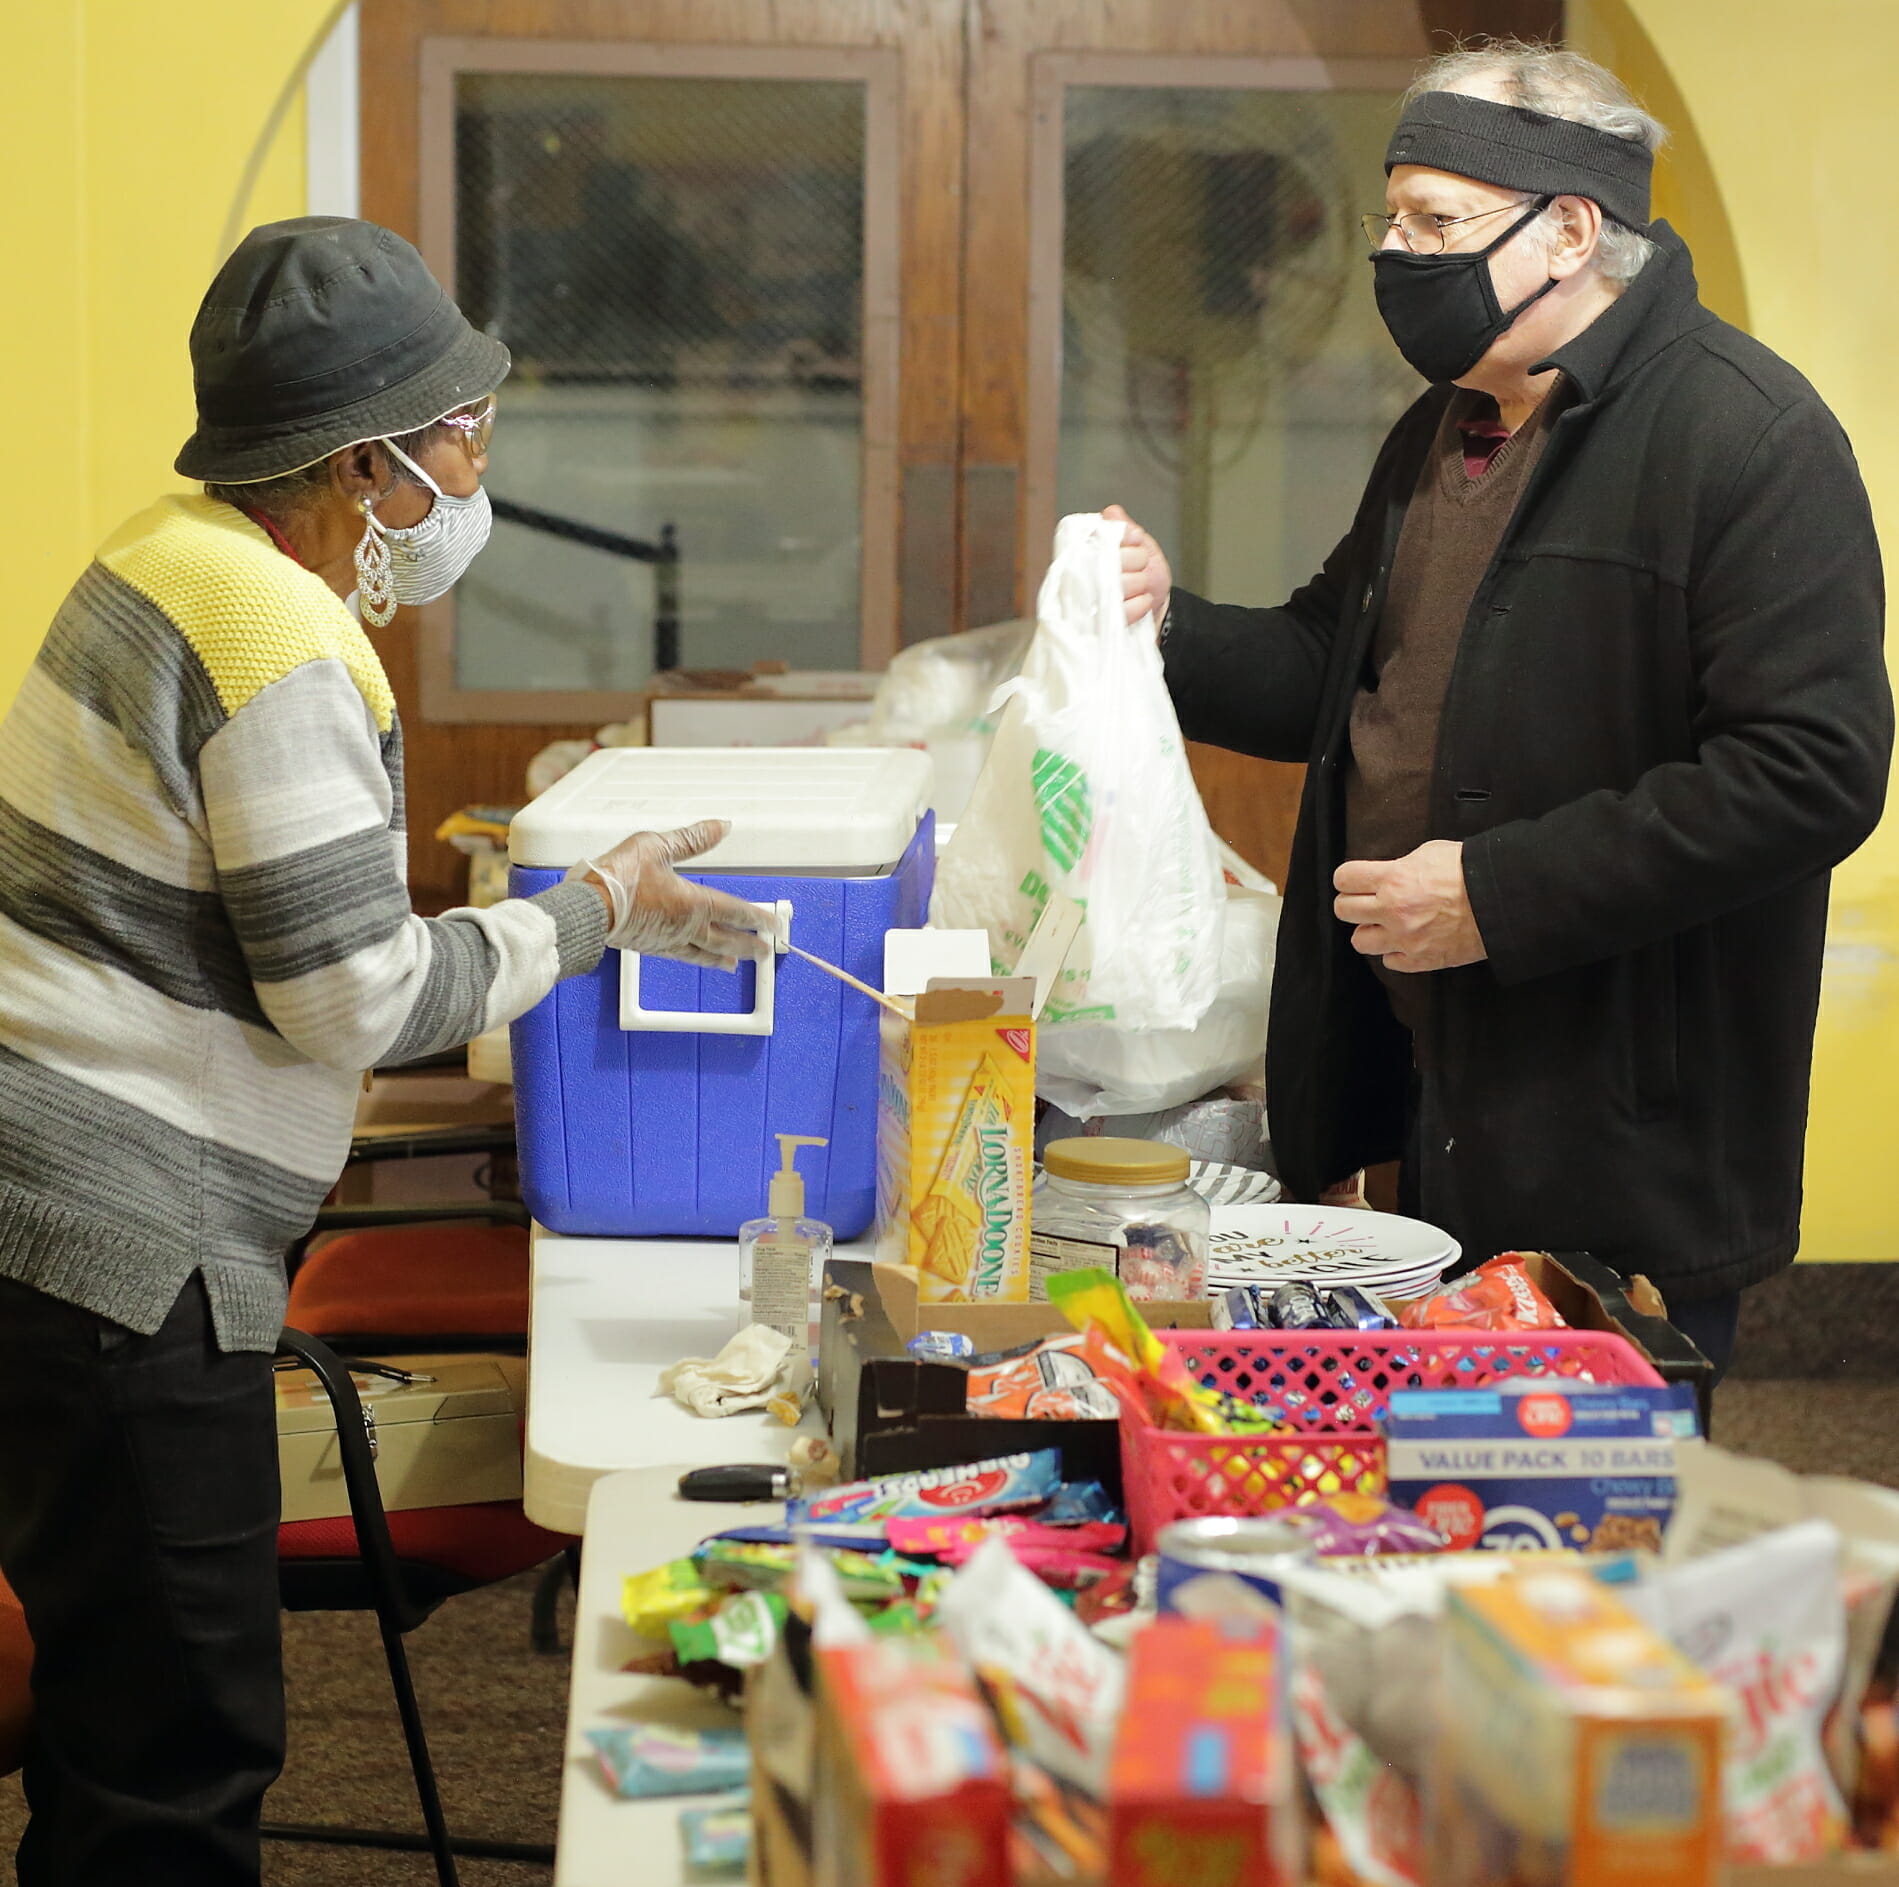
(659, 913)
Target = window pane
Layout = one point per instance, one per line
(677, 265)
(1224, 371)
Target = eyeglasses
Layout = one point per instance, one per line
(1421, 232)
(475, 429)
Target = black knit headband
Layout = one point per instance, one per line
(1524, 150)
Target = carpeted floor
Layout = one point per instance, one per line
(494, 1710)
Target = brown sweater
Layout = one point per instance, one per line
(1451, 531)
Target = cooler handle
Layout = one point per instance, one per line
(636, 1018)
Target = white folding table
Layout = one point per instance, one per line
(604, 1457)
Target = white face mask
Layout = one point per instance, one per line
(427, 559)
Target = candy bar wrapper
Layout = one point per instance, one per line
(741, 1633)
(1500, 1295)
(1051, 1381)
(1057, 1687)
(1361, 1526)
(1094, 1300)
(736, 1566)
(647, 1759)
(982, 1487)
(781, 1533)
(717, 1841)
(948, 1536)
(651, 1601)
(1081, 1503)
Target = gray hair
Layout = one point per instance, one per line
(1560, 84)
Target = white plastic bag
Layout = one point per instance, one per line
(1087, 791)
(1766, 1618)
(1091, 1071)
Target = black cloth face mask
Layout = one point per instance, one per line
(1442, 310)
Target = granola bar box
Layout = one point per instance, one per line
(956, 1139)
(1529, 1464)
(1575, 1747)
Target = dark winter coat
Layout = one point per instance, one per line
(1669, 718)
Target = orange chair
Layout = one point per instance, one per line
(415, 1277)
(16, 1671)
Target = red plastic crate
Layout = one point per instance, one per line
(1336, 1386)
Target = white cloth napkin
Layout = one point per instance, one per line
(758, 1368)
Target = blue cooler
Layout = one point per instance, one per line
(648, 1094)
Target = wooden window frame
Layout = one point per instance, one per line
(879, 70)
(1051, 74)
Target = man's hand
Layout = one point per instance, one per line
(1146, 580)
(1412, 911)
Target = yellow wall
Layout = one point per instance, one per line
(1791, 108)
(131, 135)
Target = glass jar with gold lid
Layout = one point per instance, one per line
(1125, 1206)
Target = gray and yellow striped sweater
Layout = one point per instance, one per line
(205, 932)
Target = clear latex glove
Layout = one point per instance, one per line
(659, 913)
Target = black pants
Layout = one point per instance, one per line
(138, 1527)
(1710, 1323)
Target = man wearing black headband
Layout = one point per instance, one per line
(1592, 697)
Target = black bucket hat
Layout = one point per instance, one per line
(320, 332)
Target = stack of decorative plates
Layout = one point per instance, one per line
(1327, 1246)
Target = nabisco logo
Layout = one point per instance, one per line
(1018, 1039)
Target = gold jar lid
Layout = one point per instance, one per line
(1108, 1162)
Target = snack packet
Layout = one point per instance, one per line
(1362, 1526)
(1768, 1620)
(651, 1601)
(648, 1759)
(1050, 1381)
(741, 1633)
(981, 1487)
(1081, 1503)
(1499, 1295)
(964, 1536)
(1057, 1689)
(1372, 1810)
(717, 1841)
(740, 1566)
(1172, 1395)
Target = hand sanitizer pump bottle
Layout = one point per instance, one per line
(781, 1256)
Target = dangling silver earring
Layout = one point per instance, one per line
(375, 573)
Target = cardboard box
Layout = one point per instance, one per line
(956, 1138)
(1575, 1747)
(1202, 1791)
(1545, 1468)
(888, 1411)
(912, 1783)
(449, 1442)
(781, 1726)
(1592, 1297)
(398, 1106)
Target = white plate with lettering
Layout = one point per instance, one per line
(1327, 1245)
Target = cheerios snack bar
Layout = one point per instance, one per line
(1540, 1463)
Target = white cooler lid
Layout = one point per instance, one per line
(848, 811)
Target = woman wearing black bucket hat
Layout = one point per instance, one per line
(205, 937)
